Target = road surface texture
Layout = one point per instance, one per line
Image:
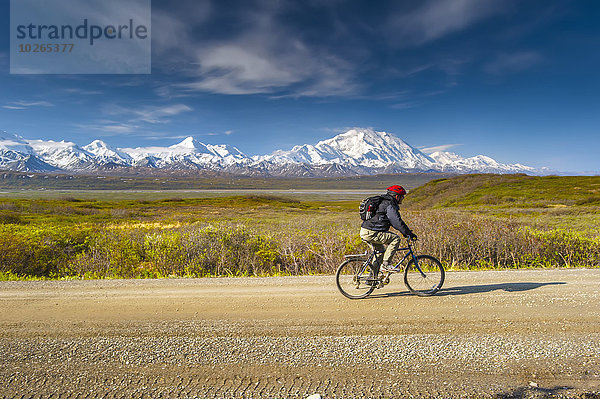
(495, 334)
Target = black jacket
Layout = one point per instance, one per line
(387, 215)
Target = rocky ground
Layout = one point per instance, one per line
(496, 334)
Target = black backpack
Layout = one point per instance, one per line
(368, 207)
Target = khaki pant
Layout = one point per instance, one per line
(378, 239)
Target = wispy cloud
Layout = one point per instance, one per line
(406, 105)
(262, 55)
(163, 136)
(75, 90)
(27, 104)
(434, 19)
(255, 66)
(170, 92)
(127, 120)
(108, 128)
(225, 133)
(505, 64)
(442, 148)
(147, 114)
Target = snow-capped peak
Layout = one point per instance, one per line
(96, 145)
(106, 154)
(445, 157)
(189, 143)
(225, 150)
(12, 142)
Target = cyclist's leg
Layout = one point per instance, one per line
(379, 249)
(368, 236)
(392, 240)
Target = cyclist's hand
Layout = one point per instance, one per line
(412, 237)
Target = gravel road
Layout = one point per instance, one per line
(496, 334)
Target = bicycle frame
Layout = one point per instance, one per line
(409, 252)
(369, 261)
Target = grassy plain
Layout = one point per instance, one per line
(469, 222)
(568, 203)
(182, 181)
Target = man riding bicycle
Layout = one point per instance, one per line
(375, 230)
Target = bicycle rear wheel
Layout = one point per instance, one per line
(351, 279)
(428, 280)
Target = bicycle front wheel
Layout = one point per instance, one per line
(427, 278)
(351, 279)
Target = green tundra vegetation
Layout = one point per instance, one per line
(188, 180)
(468, 222)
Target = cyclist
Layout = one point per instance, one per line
(375, 230)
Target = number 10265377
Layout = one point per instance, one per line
(46, 48)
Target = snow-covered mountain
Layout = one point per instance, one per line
(188, 154)
(17, 154)
(451, 162)
(355, 152)
(105, 154)
(356, 148)
(63, 154)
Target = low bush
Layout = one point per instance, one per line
(463, 241)
(215, 249)
(39, 251)
(306, 242)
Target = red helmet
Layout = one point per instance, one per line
(399, 190)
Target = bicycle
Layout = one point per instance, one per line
(423, 274)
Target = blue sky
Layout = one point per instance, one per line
(514, 80)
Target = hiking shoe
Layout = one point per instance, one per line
(387, 267)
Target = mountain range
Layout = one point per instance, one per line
(355, 152)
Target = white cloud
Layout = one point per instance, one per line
(148, 114)
(131, 120)
(263, 56)
(406, 105)
(261, 67)
(34, 103)
(226, 133)
(513, 63)
(75, 90)
(158, 114)
(441, 148)
(235, 69)
(169, 92)
(108, 128)
(27, 104)
(434, 19)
